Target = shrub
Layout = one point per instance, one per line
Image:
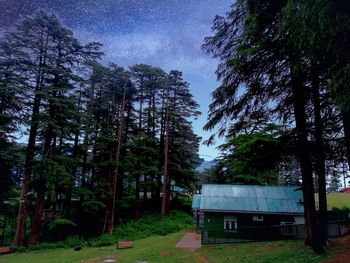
(343, 209)
(148, 225)
(71, 241)
(104, 240)
(60, 229)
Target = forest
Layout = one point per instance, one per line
(284, 102)
(84, 143)
(88, 144)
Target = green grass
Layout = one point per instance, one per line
(148, 225)
(152, 249)
(259, 252)
(58, 255)
(156, 249)
(338, 200)
(162, 249)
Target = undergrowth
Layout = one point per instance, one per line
(148, 225)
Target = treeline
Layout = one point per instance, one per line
(90, 135)
(285, 84)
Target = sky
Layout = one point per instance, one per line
(163, 33)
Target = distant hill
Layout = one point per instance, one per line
(206, 165)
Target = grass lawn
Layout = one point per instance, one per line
(259, 252)
(336, 200)
(339, 200)
(152, 249)
(58, 255)
(162, 249)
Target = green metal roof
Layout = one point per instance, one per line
(251, 198)
(196, 201)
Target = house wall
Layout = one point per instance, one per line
(214, 220)
(246, 227)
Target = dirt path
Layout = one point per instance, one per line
(191, 240)
(344, 256)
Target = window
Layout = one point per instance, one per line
(287, 228)
(258, 218)
(230, 224)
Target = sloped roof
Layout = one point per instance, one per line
(251, 198)
(196, 201)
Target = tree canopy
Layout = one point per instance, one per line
(94, 133)
(284, 63)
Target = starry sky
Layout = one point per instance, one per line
(162, 33)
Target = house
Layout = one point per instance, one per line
(245, 212)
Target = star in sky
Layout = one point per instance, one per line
(163, 33)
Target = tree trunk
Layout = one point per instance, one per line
(49, 135)
(161, 144)
(168, 195)
(27, 174)
(85, 148)
(71, 179)
(137, 188)
(299, 102)
(166, 200)
(145, 187)
(106, 226)
(39, 206)
(89, 106)
(31, 144)
(128, 109)
(35, 233)
(346, 128)
(153, 123)
(4, 224)
(137, 197)
(320, 160)
(115, 174)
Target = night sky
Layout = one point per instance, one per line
(163, 33)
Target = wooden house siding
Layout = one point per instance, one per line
(214, 222)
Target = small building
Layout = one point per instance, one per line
(232, 213)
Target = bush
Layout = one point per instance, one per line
(104, 240)
(60, 229)
(148, 225)
(18, 249)
(72, 241)
(343, 209)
